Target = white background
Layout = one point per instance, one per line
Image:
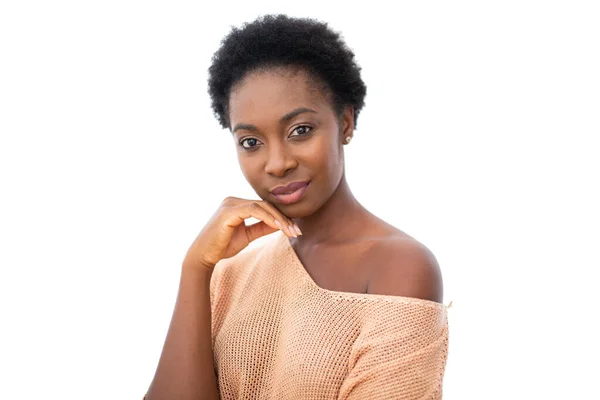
(479, 138)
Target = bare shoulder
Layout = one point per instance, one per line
(405, 267)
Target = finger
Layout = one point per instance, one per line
(280, 220)
(287, 224)
(259, 229)
(273, 210)
(238, 214)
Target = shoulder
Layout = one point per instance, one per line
(405, 267)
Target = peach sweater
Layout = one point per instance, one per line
(277, 335)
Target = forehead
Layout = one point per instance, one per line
(264, 96)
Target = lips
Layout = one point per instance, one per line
(292, 187)
(287, 197)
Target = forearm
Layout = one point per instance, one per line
(186, 368)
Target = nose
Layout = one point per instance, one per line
(280, 159)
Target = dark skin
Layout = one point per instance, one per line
(343, 246)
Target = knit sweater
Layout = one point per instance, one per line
(277, 335)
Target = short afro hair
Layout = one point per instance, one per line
(279, 40)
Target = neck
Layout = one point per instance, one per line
(338, 220)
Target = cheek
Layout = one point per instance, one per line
(323, 158)
(329, 156)
(322, 151)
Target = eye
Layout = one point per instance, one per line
(252, 142)
(302, 130)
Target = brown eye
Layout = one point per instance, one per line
(251, 142)
(302, 130)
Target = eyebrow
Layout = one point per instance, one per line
(285, 118)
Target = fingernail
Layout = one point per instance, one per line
(293, 231)
(298, 229)
(278, 225)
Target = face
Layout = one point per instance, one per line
(286, 130)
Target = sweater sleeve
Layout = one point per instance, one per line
(398, 359)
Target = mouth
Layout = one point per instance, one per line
(292, 196)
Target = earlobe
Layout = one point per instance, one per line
(347, 124)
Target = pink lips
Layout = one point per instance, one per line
(292, 187)
(290, 193)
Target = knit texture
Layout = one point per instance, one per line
(277, 335)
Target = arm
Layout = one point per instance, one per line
(404, 363)
(186, 369)
(402, 351)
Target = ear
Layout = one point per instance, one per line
(347, 122)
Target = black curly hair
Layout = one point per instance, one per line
(279, 40)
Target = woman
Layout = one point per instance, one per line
(339, 304)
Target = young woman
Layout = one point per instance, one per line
(339, 304)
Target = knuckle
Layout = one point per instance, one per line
(254, 206)
(228, 201)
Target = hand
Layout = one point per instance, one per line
(226, 233)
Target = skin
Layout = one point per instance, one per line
(343, 246)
